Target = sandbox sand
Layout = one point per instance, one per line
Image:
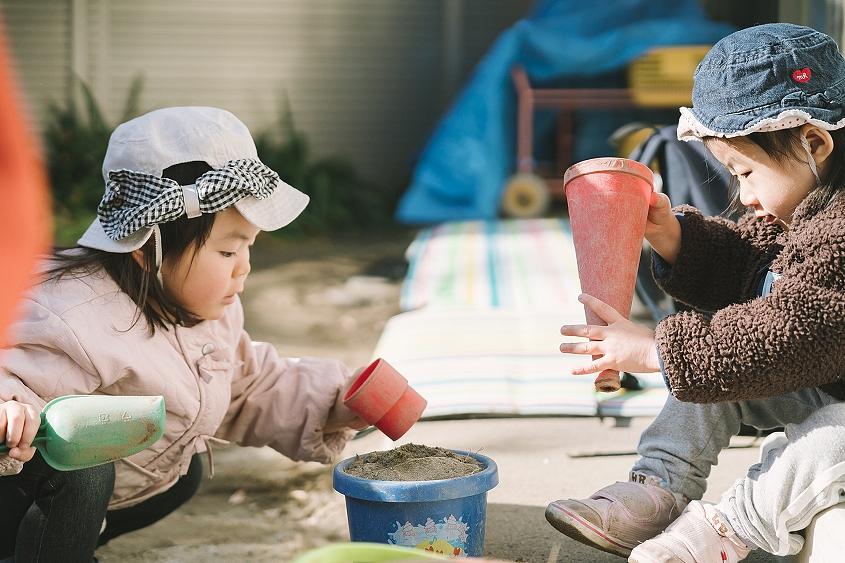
(413, 462)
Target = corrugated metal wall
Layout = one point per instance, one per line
(39, 37)
(365, 78)
(824, 15)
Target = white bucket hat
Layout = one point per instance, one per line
(137, 198)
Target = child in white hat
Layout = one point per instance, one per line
(148, 305)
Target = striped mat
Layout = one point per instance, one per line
(510, 263)
(484, 302)
(501, 362)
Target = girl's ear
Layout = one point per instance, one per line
(821, 143)
(138, 256)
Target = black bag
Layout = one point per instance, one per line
(690, 175)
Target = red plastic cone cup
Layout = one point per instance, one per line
(608, 205)
(382, 397)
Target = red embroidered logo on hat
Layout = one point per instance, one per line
(802, 75)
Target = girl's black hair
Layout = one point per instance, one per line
(139, 282)
(784, 145)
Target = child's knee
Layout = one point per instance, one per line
(823, 427)
(96, 484)
(818, 438)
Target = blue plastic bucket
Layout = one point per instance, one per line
(445, 516)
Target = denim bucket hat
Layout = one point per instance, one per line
(138, 198)
(765, 78)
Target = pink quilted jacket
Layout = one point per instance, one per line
(218, 385)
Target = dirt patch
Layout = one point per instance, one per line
(330, 301)
(413, 462)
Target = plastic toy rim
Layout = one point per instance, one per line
(417, 491)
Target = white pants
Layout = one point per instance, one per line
(799, 475)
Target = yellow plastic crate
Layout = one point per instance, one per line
(663, 76)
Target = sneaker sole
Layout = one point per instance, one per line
(572, 525)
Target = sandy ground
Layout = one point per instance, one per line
(331, 299)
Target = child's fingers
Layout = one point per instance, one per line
(592, 347)
(33, 420)
(358, 424)
(593, 332)
(605, 312)
(15, 421)
(2, 425)
(597, 366)
(659, 200)
(22, 454)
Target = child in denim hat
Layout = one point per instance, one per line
(765, 342)
(148, 305)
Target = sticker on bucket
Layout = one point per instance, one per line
(446, 537)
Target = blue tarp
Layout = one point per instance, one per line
(462, 171)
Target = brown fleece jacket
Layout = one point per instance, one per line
(738, 346)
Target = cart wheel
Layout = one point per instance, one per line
(526, 195)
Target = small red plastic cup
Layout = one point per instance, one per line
(383, 398)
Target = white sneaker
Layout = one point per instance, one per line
(700, 535)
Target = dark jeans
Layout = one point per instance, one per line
(48, 515)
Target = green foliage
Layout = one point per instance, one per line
(76, 139)
(340, 201)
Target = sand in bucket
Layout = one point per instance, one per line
(432, 499)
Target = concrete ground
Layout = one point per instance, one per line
(534, 456)
(261, 507)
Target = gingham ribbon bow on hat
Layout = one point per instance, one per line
(134, 200)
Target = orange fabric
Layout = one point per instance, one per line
(24, 212)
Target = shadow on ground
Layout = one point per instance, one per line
(521, 533)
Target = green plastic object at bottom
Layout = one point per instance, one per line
(79, 431)
(363, 552)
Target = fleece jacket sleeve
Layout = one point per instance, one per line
(765, 346)
(718, 260)
(288, 404)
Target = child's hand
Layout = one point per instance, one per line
(622, 345)
(342, 423)
(18, 424)
(663, 230)
(342, 417)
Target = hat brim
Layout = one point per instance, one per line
(276, 211)
(691, 129)
(96, 237)
(268, 214)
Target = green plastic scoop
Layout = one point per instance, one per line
(79, 431)
(363, 552)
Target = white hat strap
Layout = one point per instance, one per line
(157, 243)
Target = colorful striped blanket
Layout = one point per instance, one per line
(484, 303)
(510, 264)
(499, 361)
(487, 361)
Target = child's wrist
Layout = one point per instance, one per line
(668, 242)
(654, 359)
